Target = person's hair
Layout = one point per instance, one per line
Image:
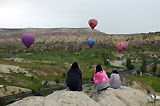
(114, 71)
(74, 66)
(98, 68)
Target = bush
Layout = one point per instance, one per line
(132, 67)
(63, 75)
(86, 79)
(154, 68)
(1, 102)
(143, 68)
(128, 63)
(33, 91)
(90, 66)
(138, 72)
(106, 63)
(32, 78)
(57, 81)
(92, 76)
(108, 74)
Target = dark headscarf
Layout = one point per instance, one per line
(75, 66)
(98, 68)
(114, 71)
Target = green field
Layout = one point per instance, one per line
(59, 61)
(152, 81)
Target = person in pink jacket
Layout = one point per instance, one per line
(101, 79)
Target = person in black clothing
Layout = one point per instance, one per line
(74, 78)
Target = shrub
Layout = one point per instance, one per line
(128, 63)
(63, 75)
(1, 102)
(57, 81)
(108, 74)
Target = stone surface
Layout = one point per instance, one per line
(122, 97)
(35, 101)
(10, 90)
(11, 68)
(110, 97)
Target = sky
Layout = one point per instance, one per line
(114, 16)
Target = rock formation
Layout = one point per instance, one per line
(110, 97)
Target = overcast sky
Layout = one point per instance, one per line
(114, 16)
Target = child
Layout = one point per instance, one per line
(115, 79)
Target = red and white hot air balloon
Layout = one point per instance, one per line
(92, 23)
(121, 46)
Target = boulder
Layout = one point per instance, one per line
(10, 90)
(35, 101)
(11, 68)
(122, 97)
(59, 98)
(110, 97)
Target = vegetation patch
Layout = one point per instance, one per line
(152, 81)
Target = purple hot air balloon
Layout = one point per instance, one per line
(28, 39)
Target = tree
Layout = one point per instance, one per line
(57, 81)
(63, 75)
(159, 72)
(106, 62)
(62, 56)
(128, 63)
(105, 59)
(143, 66)
(154, 68)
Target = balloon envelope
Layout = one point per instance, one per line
(91, 42)
(121, 46)
(28, 39)
(92, 23)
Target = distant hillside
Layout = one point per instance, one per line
(45, 33)
(78, 35)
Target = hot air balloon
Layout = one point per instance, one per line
(28, 39)
(91, 42)
(92, 23)
(121, 46)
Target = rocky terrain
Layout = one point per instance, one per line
(79, 35)
(10, 90)
(10, 68)
(110, 97)
(49, 39)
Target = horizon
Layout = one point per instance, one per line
(82, 28)
(115, 17)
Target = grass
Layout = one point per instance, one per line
(152, 81)
(92, 56)
(86, 58)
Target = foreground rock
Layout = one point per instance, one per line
(125, 97)
(109, 97)
(59, 98)
(35, 101)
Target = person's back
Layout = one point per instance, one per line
(115, 80)
(101, 79)
(74, 79)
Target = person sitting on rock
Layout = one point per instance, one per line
(101, 79)
(74, 78)
(115, 79)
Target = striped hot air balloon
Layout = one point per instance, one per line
(91, 42)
